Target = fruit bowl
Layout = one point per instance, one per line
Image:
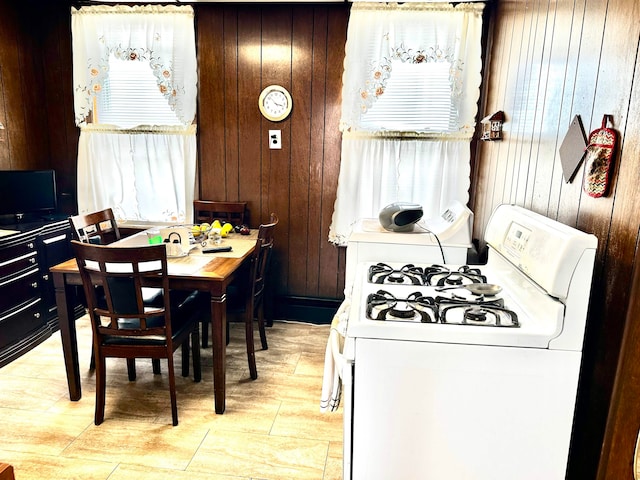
(201, 231)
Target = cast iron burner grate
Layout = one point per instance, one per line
(382, 305)
(407, 274)
(442, 276)
(416, 307)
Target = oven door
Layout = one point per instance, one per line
(434, 411)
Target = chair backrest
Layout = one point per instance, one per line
(233, 212)
(123, 272)
(97, 227)
(262, 255)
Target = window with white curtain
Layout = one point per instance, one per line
(409, 100)
(134, 71)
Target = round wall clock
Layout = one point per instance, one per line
(275, 103)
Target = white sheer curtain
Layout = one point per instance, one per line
(422, 153)
(145, 173)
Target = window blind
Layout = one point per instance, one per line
(417, 97)
(130, 97)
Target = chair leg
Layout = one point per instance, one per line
(131, 368)
(195, 350)
(205, 332)
(251, 356)
(155, 363)
(172, 390)
(101, 382)
(185, 357)
(261, 324)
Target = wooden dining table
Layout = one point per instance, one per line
(205, 272)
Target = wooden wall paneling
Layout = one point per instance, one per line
(212, 104)
(58, 97)
(10, 44)
(545, 119)
(495, 66)
(624, 417)
(522, 108)
(228, 128)
(500, 191)
(248, 120)
(31, 99)
(4, 142)
(332, 285)
(564, 62)
(589, 55)
(276, 164)
(613, 218)
(533, 59)
(317, 158)
(302, 86)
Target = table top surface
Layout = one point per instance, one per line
(196, 264)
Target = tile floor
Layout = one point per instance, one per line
(272, 427)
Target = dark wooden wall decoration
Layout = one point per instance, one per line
(550, 60)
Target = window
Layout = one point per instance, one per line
(409, 99)
(134, 71)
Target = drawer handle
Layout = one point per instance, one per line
(36, 315)
(30, 245)
(45, 277)
(34, 284)
(32, 260)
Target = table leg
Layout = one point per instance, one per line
(219, 346)
(67, 324)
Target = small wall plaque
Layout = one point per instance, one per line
(572, 149)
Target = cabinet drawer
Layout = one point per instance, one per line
(19, 323)
(18, 247)
(16, 265)
(18, 289)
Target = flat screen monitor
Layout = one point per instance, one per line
(27, 191)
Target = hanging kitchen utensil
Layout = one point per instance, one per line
(599, 159)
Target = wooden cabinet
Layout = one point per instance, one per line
(28, 312)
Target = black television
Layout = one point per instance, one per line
(28, 192)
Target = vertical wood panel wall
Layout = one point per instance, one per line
(550, 60)
(241, 50)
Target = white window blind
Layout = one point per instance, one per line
(130, 97)
(417, 98)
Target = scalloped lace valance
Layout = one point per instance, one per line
(162, 35)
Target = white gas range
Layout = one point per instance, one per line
(443, 383)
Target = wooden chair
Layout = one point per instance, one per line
(97, 227)
(101, 228)
(126, 327)
(248, 299)
(235, 213)
(254, 306)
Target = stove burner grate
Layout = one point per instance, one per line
(382, 305)
(417, 307)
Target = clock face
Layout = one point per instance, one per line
(275, 103)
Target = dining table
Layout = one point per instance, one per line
(197, 270)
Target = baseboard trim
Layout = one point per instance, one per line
(306, 309)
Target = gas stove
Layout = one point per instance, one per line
(490, 351)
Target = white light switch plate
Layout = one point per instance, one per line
(275, 140)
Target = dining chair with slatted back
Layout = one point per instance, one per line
(97, 227)
(254, 300)
(101, 228)
(127, 328)
(235, 213)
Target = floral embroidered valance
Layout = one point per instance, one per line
(162, 35)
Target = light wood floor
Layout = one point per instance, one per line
(272, 427)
